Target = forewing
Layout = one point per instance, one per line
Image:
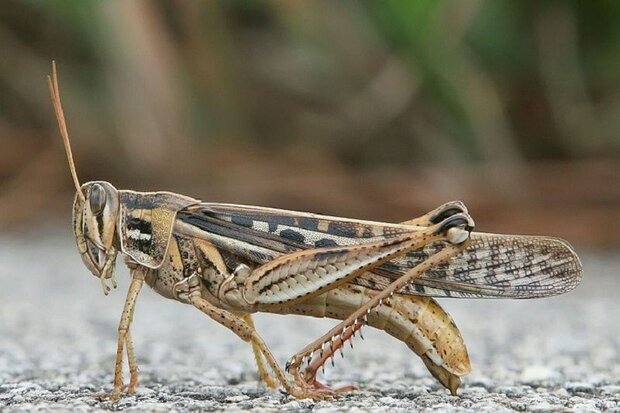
(491, 265)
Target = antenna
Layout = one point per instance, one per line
(62, 126)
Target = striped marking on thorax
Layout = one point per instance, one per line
(140, 228)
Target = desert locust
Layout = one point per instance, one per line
(230, 261)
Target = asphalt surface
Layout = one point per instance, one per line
(58, 341)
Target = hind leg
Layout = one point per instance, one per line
(323, 349)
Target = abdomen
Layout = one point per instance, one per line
(417, 321)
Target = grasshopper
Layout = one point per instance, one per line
(230, 261)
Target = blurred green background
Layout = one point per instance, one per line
(371, 109)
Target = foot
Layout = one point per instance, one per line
(339, 390)
(114, 395)
(309, 386)
(131, 388)
(307, 391)
(117, 392)
(268, 380)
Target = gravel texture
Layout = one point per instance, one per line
(58, 341)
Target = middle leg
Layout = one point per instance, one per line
(258, 357)
(249, 334)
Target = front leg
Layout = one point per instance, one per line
(124, 337)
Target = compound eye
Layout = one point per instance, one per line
(97, 199)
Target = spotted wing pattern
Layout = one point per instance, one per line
(491, 265)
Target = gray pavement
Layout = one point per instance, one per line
(58, 338)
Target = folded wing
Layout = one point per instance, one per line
(491, 266)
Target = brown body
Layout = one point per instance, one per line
(230, 261)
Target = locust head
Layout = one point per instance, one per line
(95, 214)
(95, 209)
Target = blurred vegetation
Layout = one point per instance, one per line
(379, 108)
